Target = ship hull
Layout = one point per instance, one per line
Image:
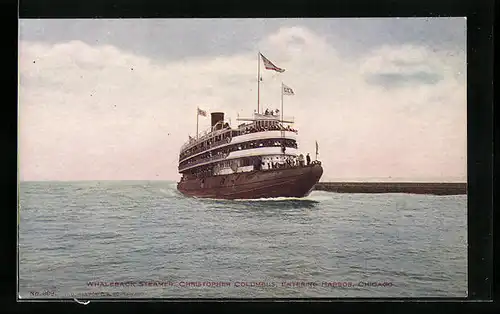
(287, 182)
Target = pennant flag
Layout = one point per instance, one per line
(287, 90)
(270, 66)
(202, 112)
(316, 147)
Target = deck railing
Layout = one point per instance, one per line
(201, 137)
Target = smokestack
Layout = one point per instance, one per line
(217, 117)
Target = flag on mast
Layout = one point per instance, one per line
(199, 112)
(287, 90)
(202, 112)
(270, 66)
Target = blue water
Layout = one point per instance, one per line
(147, 234)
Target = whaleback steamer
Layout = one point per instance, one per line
(257, 159)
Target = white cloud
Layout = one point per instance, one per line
(95, 112)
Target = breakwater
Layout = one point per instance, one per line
(434, 188)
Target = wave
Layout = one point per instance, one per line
(171, 193)
(263, 203)
(321, 196)
(274, 199)
(256, 200)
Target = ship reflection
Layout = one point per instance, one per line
(275, 204)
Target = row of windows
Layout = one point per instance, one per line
(236, 147)
(208, 169)
(241, 162)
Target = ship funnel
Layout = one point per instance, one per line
(217, 117)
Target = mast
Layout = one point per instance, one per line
(258, 82)
(282, 102)
(316, 150)
(197, 117)
(282, 132)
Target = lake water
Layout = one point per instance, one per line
(142, 239)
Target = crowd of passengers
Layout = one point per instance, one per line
(224, 138)
(289, 162)
(276, 127)
(271, 112)
(223, 152)
(258, 164)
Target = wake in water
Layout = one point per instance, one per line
(170, 189)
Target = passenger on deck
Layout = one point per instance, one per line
(308, 159)
(257, 164)
(301, 160)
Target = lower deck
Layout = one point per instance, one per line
(245, 164)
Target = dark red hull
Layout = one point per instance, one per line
(288, 182)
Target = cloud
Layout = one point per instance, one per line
(170, 39)
(90, 112)
(390, 80)
(406, 66)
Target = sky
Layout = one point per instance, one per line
(115, 99)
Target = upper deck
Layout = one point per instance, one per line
(219, 132)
